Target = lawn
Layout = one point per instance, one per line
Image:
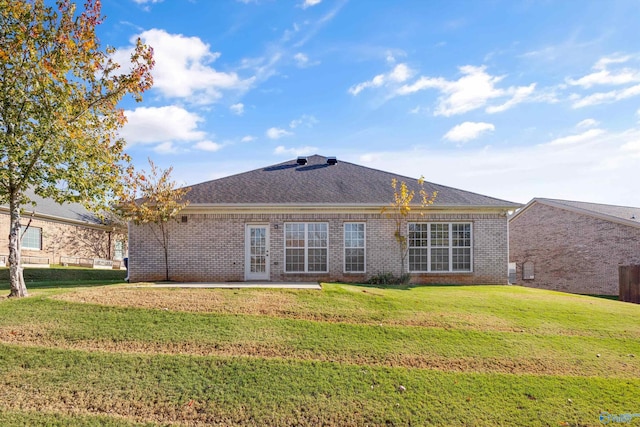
(347, 355)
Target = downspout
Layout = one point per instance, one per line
(508, 248)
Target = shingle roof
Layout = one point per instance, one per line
(626, 213)
(69, 211)
(317, 182)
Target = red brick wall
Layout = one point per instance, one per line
(210, 247)
(63, 239)
(571, 252)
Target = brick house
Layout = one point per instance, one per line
(573, 246)
(319, 219)
(66, 233)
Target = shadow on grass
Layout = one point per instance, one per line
(4, 286)
(609, 297)
(64, 277)
(401, 287)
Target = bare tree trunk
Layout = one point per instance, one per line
(163, 239)
(165, 244)
(16, 277)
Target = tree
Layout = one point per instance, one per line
(399, 209)
(152, 198)
(59, 118)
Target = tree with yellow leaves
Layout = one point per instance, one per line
(59, 118)
(399, 210)
(151, 198)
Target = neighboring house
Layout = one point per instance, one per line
(62, 234)
(319, 219)
(573, 246)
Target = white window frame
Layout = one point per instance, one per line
(24, 229)
(363, 247)
(306, 248)
(450, 248)
(118, 254)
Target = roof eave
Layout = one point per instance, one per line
(330, 207)
(60, 219)
(598, 215)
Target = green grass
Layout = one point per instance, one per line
(62, 275)
(347, 355)
(58, 276)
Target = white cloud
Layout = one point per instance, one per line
(147, 125)
(302, 60)
(310, 3)
(471, 91)
(603, 76)
(419, 110)
(182, 67)
(616, 59)
(295, 151)
(237, 109)
(603, 173)
(277, 133)
(304, 120)
(587, 123)
(580, 138)
(606, 97)
(165, 148)
(468, 130)
(519, 94)
(399, 74)
(208, 146)
(632, 147)
(248, 138)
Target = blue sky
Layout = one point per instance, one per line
(511, 99)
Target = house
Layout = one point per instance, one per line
(319, 219)
(573, 246)
(63, 234)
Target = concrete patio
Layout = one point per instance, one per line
(234, 285)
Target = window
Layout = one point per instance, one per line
(354, 247)
(306, 247)
(118, 252)
(439, 247)
(527, 271)
(31, 238)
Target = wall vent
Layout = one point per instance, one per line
(183, 219)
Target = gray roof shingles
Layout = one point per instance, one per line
(70, 211)
(317, 182)
(628, 213)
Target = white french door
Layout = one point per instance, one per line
(256, 252)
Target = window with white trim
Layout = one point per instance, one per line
(354, 247)
(306, 246)
(440, 247)
(118, 250)
(31, 238)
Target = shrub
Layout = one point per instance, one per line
(389, 278)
